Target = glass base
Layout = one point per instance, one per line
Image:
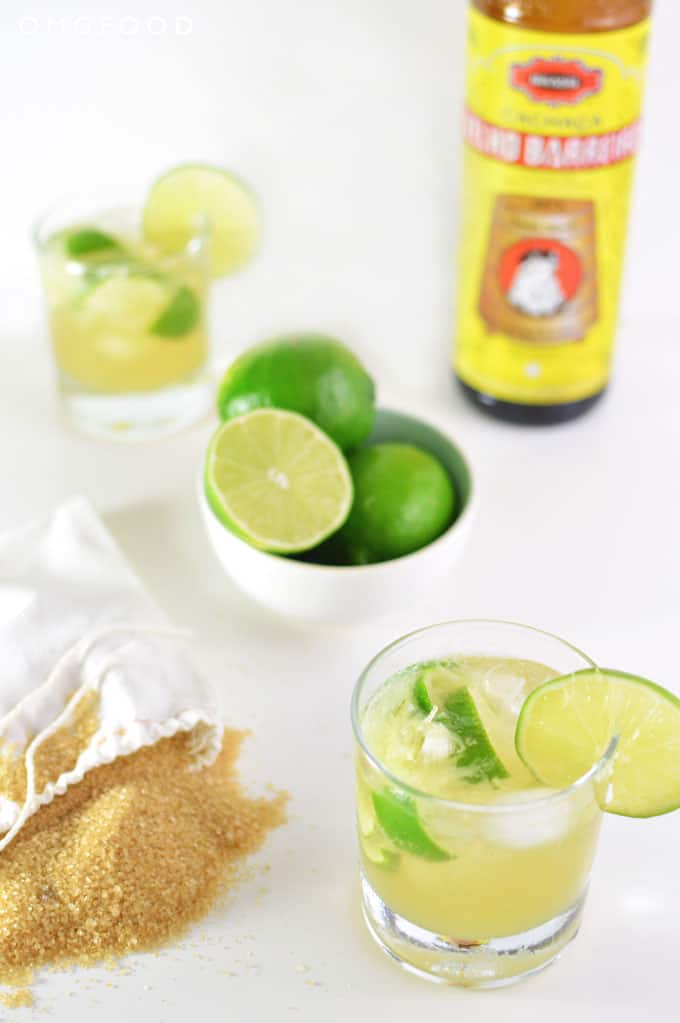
(137, 416)
(492, 963)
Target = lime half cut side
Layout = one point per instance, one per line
(276, 480)
(567, 725)
(188, 198)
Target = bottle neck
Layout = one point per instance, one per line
(567, 16)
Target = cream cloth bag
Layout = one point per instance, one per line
(90, 670)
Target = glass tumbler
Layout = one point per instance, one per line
(504, 895)
(127, 322)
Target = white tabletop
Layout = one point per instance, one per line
(345, 118)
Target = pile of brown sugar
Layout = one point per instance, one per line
(128, 858)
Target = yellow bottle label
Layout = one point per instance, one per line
(551, 130)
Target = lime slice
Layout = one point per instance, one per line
(371, 836)
(567, 725)
(89, 240)
(180, 316)
(136, 300)
(441, 691)
(479, 759)
(397, 815)
(276, 480)
(183, 200)
(434, 686)
(380, 856)
(142, 300)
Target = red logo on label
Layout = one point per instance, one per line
(539, 275)
(555, 81)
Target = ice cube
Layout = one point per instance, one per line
(504, 691)
(528, 825)
(452, 829)
(438, 742)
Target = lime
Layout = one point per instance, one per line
(89, 240)
(276, 480)
(187, 197)
(380, 856)
(374, 844)
(567, 725)
(306, 373)
(180, 315)
(403, 500)
(439, 692)
(397, 815)
(478, 760)
(435, 683)
(135, 300)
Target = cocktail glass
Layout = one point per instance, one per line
(127, 322)
(497, 890)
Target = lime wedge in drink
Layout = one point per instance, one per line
(567, 725)
(181, 315)
(440, 691)
(88, 240)
(434, 685)
(276, 480)
(381, 856)
(187, 198)
(136, 300)
(397, 815)
(141, 301)
(374, 843)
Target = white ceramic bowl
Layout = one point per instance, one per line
(346, 595)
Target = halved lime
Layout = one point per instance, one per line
(443, 691)
(276, 480)
(185, 198)
(566, 726)
(397, 815)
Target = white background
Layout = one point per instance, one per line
(344, 116)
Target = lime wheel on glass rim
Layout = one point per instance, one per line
(570, 724)
(193, 198)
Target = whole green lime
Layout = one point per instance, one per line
(403, 499)
(314, 375)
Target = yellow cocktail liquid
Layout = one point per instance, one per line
(465, 856)
(125, 320)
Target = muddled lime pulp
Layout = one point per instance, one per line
(447, 729)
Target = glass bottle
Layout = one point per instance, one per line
(551, 128)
